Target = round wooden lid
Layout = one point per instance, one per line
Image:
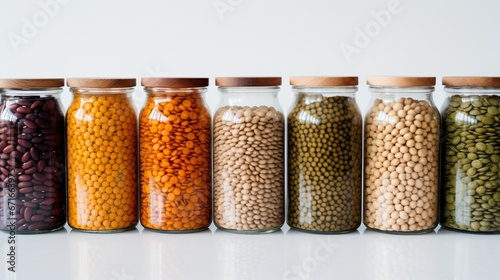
(394, 81)
(248, 81)
(160, 82)
(32, 83)
(456, 81)
(101, 82)
(324, 81)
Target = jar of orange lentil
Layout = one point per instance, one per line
(175, 155)
(102, 155)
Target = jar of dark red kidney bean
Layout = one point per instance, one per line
(32, 156)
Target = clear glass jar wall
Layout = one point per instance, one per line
(324, 155)
(175, 154)
(102, 156)
(470, 199)
(402, 130)
(32, 156)
(248, 155)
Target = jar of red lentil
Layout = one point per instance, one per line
(402, 130)
(248, 155)
(471, 154)
(175, 155)
(102, 155)
(324, 155)
(32, 156)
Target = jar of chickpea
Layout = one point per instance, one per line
(102, 155)
(402, 131)
(175, 155)
(249, 148)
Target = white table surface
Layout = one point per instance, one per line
(287, 254)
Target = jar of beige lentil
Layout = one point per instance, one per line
(402, 130)
(248, 151)
(324, 155)
(102, 155)
(175, 155)
(471, 154)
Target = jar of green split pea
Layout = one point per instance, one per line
(471, 154)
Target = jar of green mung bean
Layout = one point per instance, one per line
(471, 154)
(402, 131)
(324, 155)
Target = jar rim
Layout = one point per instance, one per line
(174, 82)
(471, 81)
(401, 81)
(35, 83)
(101, 82)
(247, 81)
(323, 81)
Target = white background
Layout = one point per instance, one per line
(71, 38)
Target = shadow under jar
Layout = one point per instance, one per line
(175, 154)
(102, 155)
(401, 164)
(471, 154)
(249, 141)
(32, 156)
(324, 155)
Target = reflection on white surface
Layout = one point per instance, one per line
(243, 256)
(287, 254)
(472, 256)
(314, 256)
(177, 256)
(38, 256)
(389, 256)
(105, 256)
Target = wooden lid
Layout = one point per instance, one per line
(324, 81)
(31, 83)
(248, 81)
(101, 82)
(158, 82)
(456, 81)
(393, 81)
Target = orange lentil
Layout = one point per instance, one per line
(176, 128)
(102, 168)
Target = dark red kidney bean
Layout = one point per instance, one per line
(23, 110)
(28, 130)
(28, 164)
(34, 154)
(42, 147)
(35, 104)
(41, 188)
(31, 170)
(28, 212)
(11, 161)
(24, 184)
(4, 171)
(39, 176)
(28, 196)
(30, 117)
(38, 226)
(40, 165)
(30, 124)
(3, 144)
(48, 106)
(30, 204)
(8, 149)
(44, 212)
(26, 156)
(48, 201)
(26, 190)
(24, 177)
(22, 227)
(25, 143)
(38, 194)
(13, 107)
(44, 115)
(38, 139)
(4, 156)
(42, 123)
(21, 222)
(37, 218)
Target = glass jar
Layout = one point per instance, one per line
(324, 155)
(102, 155)
(248, 155)
(471, 154)
(401, 155)
(175, 153)
(32, 156)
